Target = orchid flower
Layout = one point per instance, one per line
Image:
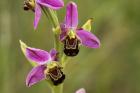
(71, 36)
(81, 90)
(35, 5)
(47, 66)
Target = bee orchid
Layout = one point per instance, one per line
(47, 66)
(72, 37)
(35, 5)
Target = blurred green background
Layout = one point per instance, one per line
(113, 68)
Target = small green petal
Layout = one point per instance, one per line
(23, 46)
(87, 25)
(71, 34)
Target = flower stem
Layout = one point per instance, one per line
(57, 89)
(52, 16)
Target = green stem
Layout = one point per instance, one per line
(57, 89)
(52, 16)
(64, 60)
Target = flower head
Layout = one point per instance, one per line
(47, 66)
(36, 5)
(71, 36)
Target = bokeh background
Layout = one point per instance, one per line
(113, 68)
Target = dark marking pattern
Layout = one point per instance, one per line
(71, 46)
(56, 76)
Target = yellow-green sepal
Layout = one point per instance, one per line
(88, 24)
(23, 46)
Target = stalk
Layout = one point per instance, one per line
(52, 16)
(57, 89)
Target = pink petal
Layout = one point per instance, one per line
(64, 31)
(71, 19)
(37, 55)
(35, 75)
(88, 39)
(54, 4)
(53, 54)
(82, 90)
(37, 15)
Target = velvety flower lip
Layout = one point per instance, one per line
(35, 75)
(53, 4)
(81, 90)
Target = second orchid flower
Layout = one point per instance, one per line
(72, 36)
(46, 65)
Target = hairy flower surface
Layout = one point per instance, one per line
(36, 5)
(46, 67)
(71, 36)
